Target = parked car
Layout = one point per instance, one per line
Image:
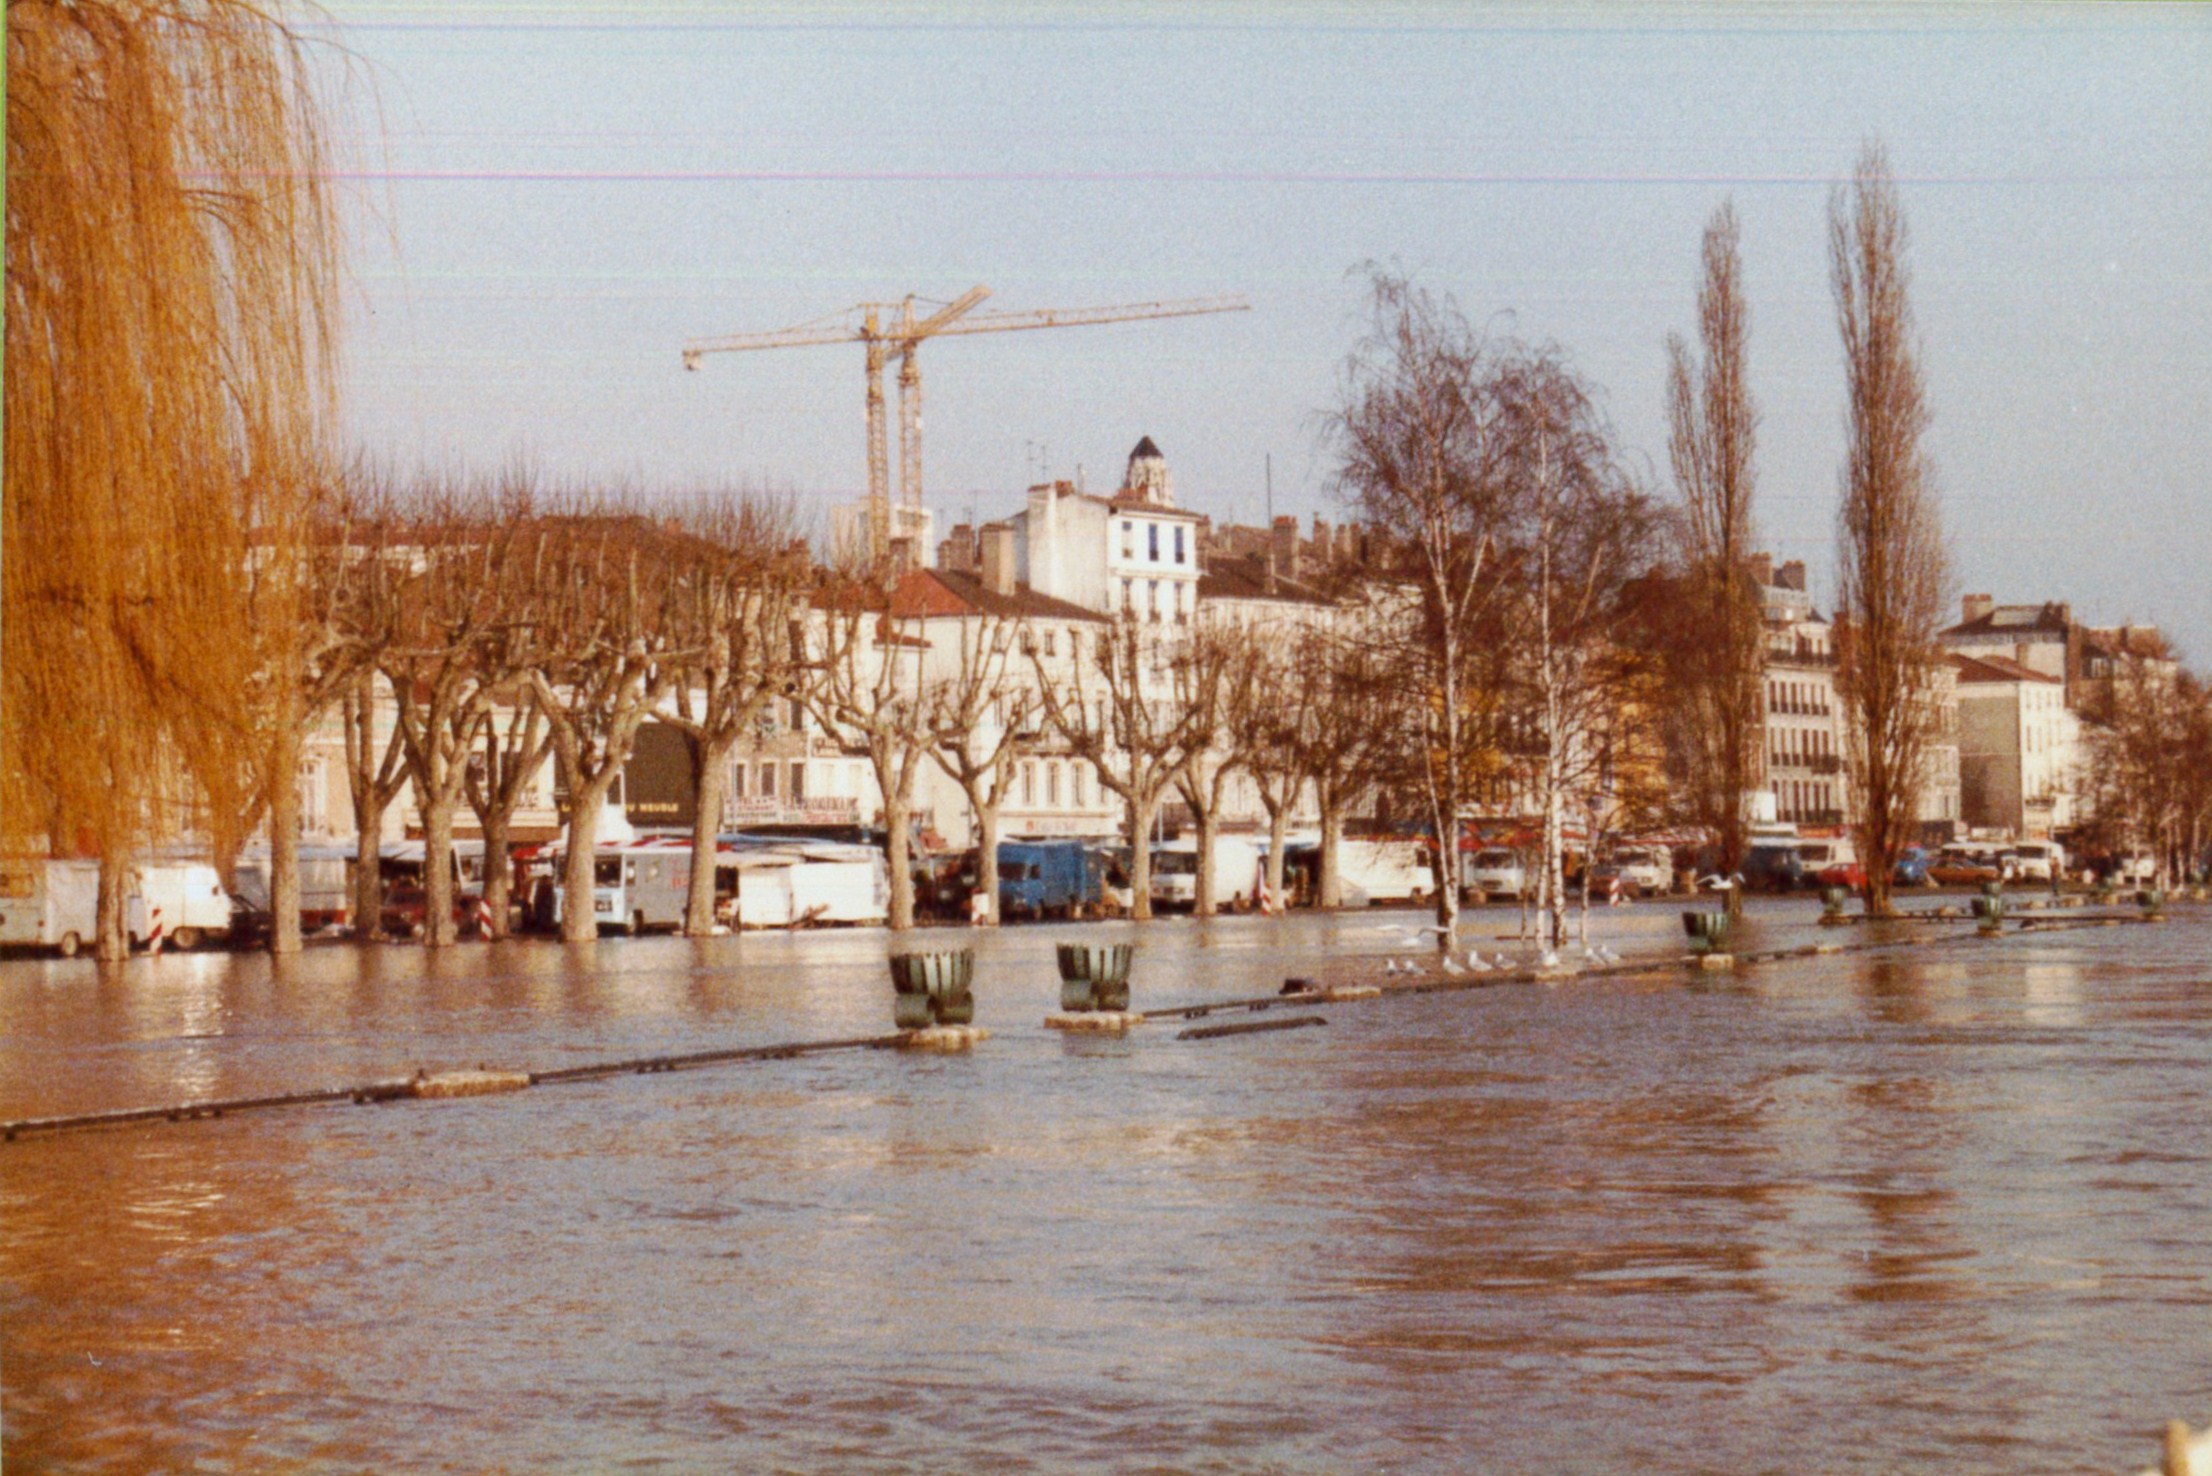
(406, 905)
(1911, 869)
(1957, 866)
(1496, 872)
(1773, 865)
(1645, 869)
(1843, 874)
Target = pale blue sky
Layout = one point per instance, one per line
(573, 191)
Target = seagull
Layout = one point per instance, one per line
(1450, 967)
(1420, 936)
(1547, 960)
(1390, 966)
(1474, 962)
(1717, 883)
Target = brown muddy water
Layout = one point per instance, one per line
(1933, 1209)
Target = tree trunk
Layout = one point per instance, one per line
(579, 914)
(1555, 875)
(706, 826)
(284, 841)
(895, 826)
(437, 869)
(1278, 825)
(368, 881)
(1329, 887)
(1443, 875)
(111, 941)
(499, 872)
(986, 858)
(1202, 894)
(1140, 859)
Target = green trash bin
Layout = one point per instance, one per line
(933, 989)
(1094, 976)
(1708, 931)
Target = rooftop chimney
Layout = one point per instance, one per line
(1282, 548)
(1762, 569)
(1977, 607)
(998, 558)
(957, 554)
(1791, 575)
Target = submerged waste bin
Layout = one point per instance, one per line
(1708, 931)
(2152, 900)
(1095, 976)
(933, 989)
(1989, 907)
(1831, 903)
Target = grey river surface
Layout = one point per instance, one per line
(1928, 1209)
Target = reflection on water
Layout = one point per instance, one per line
(1950, 1198)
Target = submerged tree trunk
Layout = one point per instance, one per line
(438, 929)
(1205, 884)
(284, 843)
(499, 874)
(579, 909)
(1278, 825)
(1329, 886)
(896, 824)
(1140, 858)
(986, 859)
(712, 778)
(111, 941)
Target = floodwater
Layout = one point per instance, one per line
(1937, 1208)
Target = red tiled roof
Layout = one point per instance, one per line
(1997, 669)
(942, 592)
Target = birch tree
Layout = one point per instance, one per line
(1424, 434)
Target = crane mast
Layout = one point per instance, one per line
(866, 322)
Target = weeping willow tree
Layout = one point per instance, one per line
(172, 265)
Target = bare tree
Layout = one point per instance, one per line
(1425, 434)
(515, 741)
(1717, 656)
(1892, 565)
(1579, 545)
(1354, 711)
(983, 718)
(1269, 719)
(375, 774)
(1116, 709)
(745, 579)
(600, 652)
(1214, 674)
(2148, 728)
(866, 682)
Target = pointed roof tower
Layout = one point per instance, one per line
(1147, 480)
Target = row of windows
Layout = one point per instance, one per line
(1051, 777)
(1179, 598)
(1797, 697)
(1785, 744)
(1152, 542)
(1806, 799)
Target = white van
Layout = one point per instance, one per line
(636, 886)
(1236, 874)
(2036, 861)
(185, 899)
(1372, 871)
(49, 904)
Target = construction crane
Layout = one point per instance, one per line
(890, 330)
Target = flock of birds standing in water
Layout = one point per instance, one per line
(1472, 961)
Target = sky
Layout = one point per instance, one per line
(549, 200)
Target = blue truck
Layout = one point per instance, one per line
(1048, 878)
